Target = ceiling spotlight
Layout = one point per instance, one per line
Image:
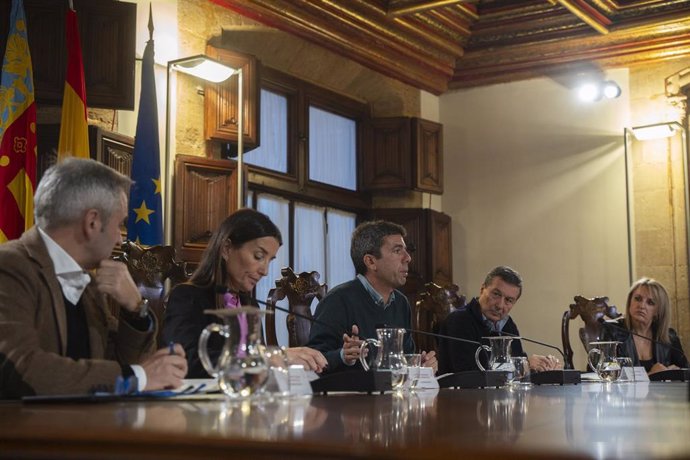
(595, 91)
(589, 92)
(611, 89)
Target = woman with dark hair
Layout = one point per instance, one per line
(654, 343)
(234, 261)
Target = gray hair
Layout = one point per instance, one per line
(368, 239)
(73, 186)
(507, 274)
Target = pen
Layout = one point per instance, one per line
(171, 347)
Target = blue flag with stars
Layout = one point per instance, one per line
(145, 223)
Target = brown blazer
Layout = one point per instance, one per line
(33, 329)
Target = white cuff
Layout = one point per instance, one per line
(342, 358)
(140, 374)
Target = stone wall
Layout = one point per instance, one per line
(658, 191)
(104, 118)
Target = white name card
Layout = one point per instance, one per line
(297, 381)
(639, 374)
(427, 380)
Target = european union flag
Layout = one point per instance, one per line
(145, 224)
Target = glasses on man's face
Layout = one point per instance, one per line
(497, 295)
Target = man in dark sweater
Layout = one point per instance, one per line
(486, 316)
(358, 307)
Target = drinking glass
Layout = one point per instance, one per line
(520, 376)
(276, 359)
(627, 370)
(414, 364)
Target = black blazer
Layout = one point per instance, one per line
(663, 353)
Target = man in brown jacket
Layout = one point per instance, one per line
(57, 335)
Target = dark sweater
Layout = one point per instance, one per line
(455, 356)
(348, 304)
(78, 346)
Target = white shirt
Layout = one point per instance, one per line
(72, 278)
(73, 281)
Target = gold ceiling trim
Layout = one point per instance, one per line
(413, 70)
(613, 6)
(405, 7)
(446, 45)
(587, 14)
(449, 23)
(402, 42)
(464, 44)
(532, 60)
(467, 10)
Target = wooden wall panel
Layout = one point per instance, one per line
(221, 104)
(205, 194)
(428, 137)
(107, 29)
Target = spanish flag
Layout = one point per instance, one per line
(74, 134)
(17, 131)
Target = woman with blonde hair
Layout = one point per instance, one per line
(653, 343)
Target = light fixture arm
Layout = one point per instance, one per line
(167, 185)
(628, 204)
(240, 140)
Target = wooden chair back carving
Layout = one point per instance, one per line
(592, 312)
(150, 267)
(300, 290)
(433, 305)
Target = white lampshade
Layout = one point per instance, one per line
(656, 131)
(205, 68)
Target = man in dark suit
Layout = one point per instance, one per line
(485, 316)
(57, 334)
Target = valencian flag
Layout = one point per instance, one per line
(145, 223)
(74, 134)
(17, 131)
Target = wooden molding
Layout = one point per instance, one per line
(437, 45)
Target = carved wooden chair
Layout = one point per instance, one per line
(150, 268)
(300, 290)
(433, 305)
(591, 311)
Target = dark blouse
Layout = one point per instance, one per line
(666, 354)
(185, 319)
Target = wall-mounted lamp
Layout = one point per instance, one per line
(656, 131)
(648, 133)
(208, 69)
(203, 67)
(595, 91)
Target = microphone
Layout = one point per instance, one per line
(223, 290)
(537, 342)
(442, 336)
(432, 334)
(614, 325)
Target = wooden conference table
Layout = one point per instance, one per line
(589, 420)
